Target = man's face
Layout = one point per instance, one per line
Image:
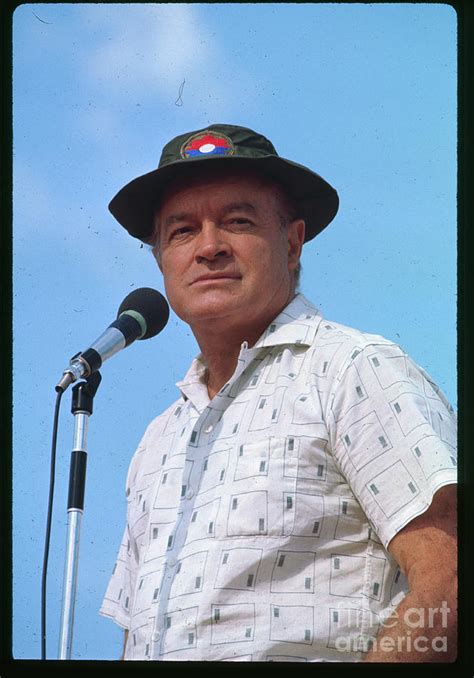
(224, 253)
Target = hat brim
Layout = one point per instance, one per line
(317, 201)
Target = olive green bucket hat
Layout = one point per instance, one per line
(134, 205)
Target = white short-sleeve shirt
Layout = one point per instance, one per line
(258, 521)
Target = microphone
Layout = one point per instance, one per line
(141, 315)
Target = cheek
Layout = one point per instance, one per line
(175, 275)
(275, 256)
(170, 264)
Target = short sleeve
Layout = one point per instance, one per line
(118, 596)
(392, 434)
(117, 601)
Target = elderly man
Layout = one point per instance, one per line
(297, 502)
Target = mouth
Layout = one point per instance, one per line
(216, 278)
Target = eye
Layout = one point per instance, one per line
(240, 221)
(180, 232)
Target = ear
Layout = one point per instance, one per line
(296, 231)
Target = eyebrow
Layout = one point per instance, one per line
(174, 218)
(238, 206)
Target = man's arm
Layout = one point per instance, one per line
(423, 627)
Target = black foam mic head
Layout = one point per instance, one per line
(151, 305)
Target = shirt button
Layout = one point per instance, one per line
(190, 493)
(172, 561)
(208, 429)
(155, 636)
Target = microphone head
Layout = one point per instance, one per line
(151, 305)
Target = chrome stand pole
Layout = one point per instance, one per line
(82, 402)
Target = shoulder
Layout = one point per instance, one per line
(332, 345)
(337, 346)
(329, 331)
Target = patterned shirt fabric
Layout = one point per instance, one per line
(258, 521)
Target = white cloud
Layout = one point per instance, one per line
(148, 48)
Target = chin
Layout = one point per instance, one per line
(208, 309)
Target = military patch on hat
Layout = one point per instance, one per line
(207, 143)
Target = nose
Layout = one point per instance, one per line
(211, 243)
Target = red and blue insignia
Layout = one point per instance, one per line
(207, 143)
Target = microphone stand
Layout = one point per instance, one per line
(82, 399)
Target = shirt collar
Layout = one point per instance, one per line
(297, 324)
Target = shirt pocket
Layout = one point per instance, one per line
(262, 492)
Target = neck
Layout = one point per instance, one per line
(220, 352)
(220, 342)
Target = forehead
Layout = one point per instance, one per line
(215, 187)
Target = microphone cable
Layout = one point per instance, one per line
(48, 523)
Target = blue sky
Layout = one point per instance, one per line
(365, 95)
